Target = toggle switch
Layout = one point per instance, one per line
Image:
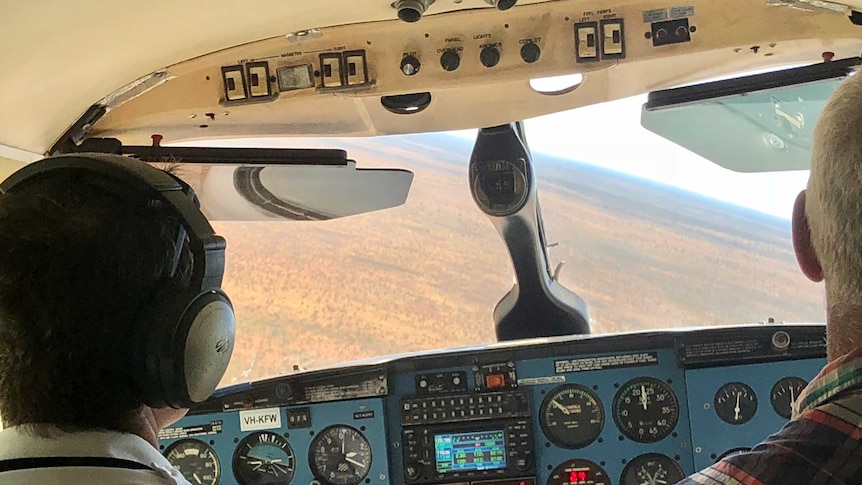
(258, 79)
(613, 42)
(586, 42)
(356, 67)
(331, 70)
(234, 83)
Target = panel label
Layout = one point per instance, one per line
(606, 362)
(214, 427)
(258, 419)
(656, 15)
(681, 12)
(363, 415)
(538, 381)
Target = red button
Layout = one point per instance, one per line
(494, 381)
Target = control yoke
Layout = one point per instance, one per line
(504, 188)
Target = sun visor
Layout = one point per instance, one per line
(759, 123)
(272, 184)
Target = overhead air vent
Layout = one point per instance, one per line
(406, 104)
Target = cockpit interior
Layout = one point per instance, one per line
(540, 390)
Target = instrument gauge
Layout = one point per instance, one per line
(578, 472)
(500, 186)
(340, 455)
(652, 469)
(784, 393)
(195, 460)
(572, 416)
(646, 410)
(735, 403)
(263, 458)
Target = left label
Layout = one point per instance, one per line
(257, 419)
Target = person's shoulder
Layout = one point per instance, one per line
(86, 476)
(823, 445)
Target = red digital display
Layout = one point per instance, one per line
(578, 476)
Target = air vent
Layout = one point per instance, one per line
(406, 104)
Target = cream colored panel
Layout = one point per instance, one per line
(8, 167)
(727, 37)
(61, 56)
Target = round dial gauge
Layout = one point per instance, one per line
(784, 393)
(196, 460)
(340, 455)
(572, 416)
(499, 186)
(263, 458)
(735, 403)
(652, 469)
(578, 472)
(646, 410)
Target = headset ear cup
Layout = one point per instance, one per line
(201, 350)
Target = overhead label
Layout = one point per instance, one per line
(682, 12)
(606, 362)
(258, 419)
(656, 15)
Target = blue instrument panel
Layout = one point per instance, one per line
(621, 409)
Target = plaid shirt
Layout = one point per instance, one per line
(822, 444)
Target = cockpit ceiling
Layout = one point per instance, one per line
(82, 52)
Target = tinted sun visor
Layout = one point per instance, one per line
(758, 123)
(266, 184)
(294, 192)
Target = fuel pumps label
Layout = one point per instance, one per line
(258, 419)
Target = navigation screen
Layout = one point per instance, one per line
(484, 450)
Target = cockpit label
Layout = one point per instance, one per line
(214, 427)
(606, 362)
(258, 419)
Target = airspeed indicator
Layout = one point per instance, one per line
(572, 416)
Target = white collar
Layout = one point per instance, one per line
(23, 442)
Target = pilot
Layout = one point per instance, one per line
(112, 320)
(823, 441)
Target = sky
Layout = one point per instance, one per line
(609, 135)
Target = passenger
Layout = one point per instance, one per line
(822, 444)
(112, 322)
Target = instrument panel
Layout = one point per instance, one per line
(617, 409)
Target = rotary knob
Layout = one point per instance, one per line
(410, 65)
(530, 52)
(450, 60)
(489, 56)
(412, 471)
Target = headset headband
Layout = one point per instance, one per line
(148, 182)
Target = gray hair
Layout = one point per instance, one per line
(834, 196)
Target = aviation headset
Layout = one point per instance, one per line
(183, 341)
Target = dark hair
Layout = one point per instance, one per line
(78, 263)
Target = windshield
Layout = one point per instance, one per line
(652, 237)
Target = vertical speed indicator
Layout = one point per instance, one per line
(646, 410)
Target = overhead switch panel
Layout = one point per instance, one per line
(586, 42)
